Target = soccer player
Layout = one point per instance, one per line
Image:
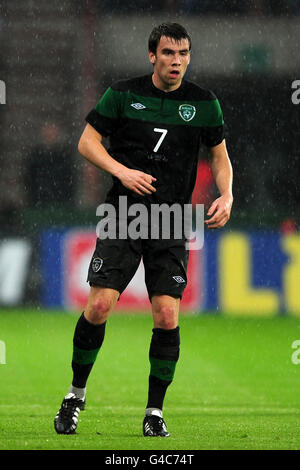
(155, 124)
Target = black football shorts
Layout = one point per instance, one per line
(115, 262)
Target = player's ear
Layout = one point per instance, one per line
(152, 57)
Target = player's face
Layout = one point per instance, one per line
(170, 63)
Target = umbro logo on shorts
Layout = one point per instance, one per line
(179, 279)
(138, 106)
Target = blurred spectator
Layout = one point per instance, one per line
(116, 7)
(295, 5)
(50, 175)
(10, 220)
(279, 7)
(255, 7)
(225, 7)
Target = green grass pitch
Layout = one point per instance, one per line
(235, 385)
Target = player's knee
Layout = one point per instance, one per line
(98, 310)
(165, 317)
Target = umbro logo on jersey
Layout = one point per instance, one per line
(138, 106)
(179, 279)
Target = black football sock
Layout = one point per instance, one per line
(163, 356)
(87, 341)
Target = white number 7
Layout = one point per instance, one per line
(163, 135)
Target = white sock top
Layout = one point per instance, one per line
(153, 411)
(78, 392)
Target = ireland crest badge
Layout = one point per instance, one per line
(187, 112)
(97, 264)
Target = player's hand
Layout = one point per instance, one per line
(137, 181)
(219, 211)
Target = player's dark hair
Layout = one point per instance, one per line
(170, 30)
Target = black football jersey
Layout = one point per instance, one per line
(158, 133)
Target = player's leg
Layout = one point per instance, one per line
(163, 357)
(87, 341)
(89, 335)
(112, 266)
(165, 274)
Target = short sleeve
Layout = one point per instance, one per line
(213, 131)
(106, 114)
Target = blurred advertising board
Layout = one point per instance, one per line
(15, 258)
(256, 273)
(65, 260)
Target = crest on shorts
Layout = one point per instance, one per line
(97, 264)
(187, 112)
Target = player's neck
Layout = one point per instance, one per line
(163, 86)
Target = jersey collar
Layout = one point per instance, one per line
(175, 94)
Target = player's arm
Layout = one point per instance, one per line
(90, 146)
(219, 211)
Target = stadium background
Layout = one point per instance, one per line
(56, 60)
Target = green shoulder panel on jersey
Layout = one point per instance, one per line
(111, 103)
(139, 104)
